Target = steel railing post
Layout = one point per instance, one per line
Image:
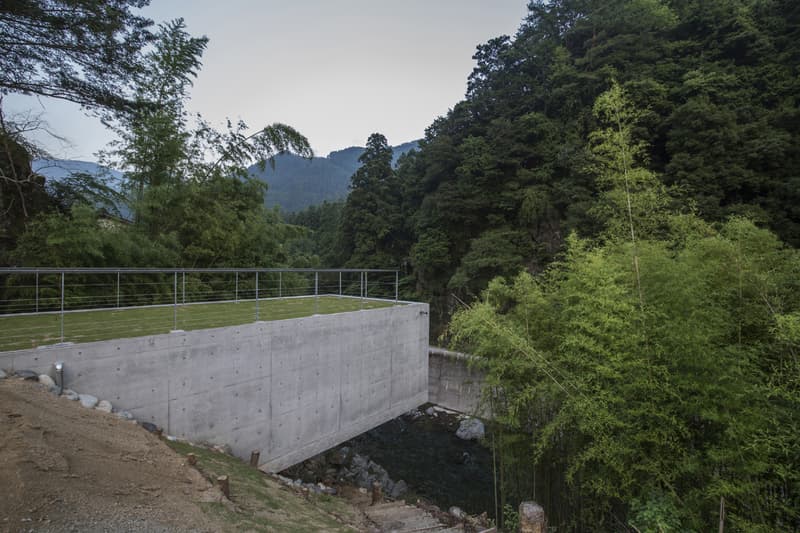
(175, 300)
(316, 293)
(366, 285)
(340, 283)
(256, 296)
(117, 288)
(37, 292)
(62, 306)
(396, 285)
(236, 289)
(280, 284)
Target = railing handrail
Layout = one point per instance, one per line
(113, 270)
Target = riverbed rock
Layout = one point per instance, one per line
(399, 489)
(125, 415)
(471, 429)
(88, 401)
(430, 411)
(457, 513)
(47, 381)
(70, 394)
(414, 414)
(27, 374)
(3, 375)
(149, 426)
(340, 456)
(532, 518)
(359, 462)
(105, 406)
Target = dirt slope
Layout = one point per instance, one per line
(64, 467)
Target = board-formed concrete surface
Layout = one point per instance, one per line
(454, 384)
(288, 388)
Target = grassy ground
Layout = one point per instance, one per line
(19, 332)
(263, 504)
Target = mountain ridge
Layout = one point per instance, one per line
(294, 183)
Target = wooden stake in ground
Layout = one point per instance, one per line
(254, 455)
(224, 485)
(377, 492)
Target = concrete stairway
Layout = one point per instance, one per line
(398, 517)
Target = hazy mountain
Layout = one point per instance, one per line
(296, 183)
(60, 169)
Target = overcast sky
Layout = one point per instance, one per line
(337, 70)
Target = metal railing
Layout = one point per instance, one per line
(39, 305)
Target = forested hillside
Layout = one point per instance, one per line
(501, 180)
(610, 218)
(295, 183)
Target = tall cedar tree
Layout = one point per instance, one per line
(371, 212)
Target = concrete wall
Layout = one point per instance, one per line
(453, 384)
(289, 388)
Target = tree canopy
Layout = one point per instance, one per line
(501, 180)
(654, 366)
(84, 51)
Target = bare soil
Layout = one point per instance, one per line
(67, 468)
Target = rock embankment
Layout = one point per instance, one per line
(343, 466)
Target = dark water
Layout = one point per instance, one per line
(438, 466)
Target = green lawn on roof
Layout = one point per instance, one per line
(19, 332)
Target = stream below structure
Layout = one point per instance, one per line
(415, 456)
(418, 456)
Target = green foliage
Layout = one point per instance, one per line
(85, 51)
(714, 91)
(153, 145)
(318, 247)
(22, 192)
(80, 238)
(510, 518)
(664, 383)
(371, 213)
(221, 222)
(675, 399)
(194, 203)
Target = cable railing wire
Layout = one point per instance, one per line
(47, 305)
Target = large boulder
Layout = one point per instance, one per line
(47, 381)
(399, 489)
(3, 375)
(471, 429)
(105, 406)
(88, 401)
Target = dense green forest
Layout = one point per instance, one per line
(610, 217)
(631, 172)
(500, 181)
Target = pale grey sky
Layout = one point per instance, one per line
(337, 70)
